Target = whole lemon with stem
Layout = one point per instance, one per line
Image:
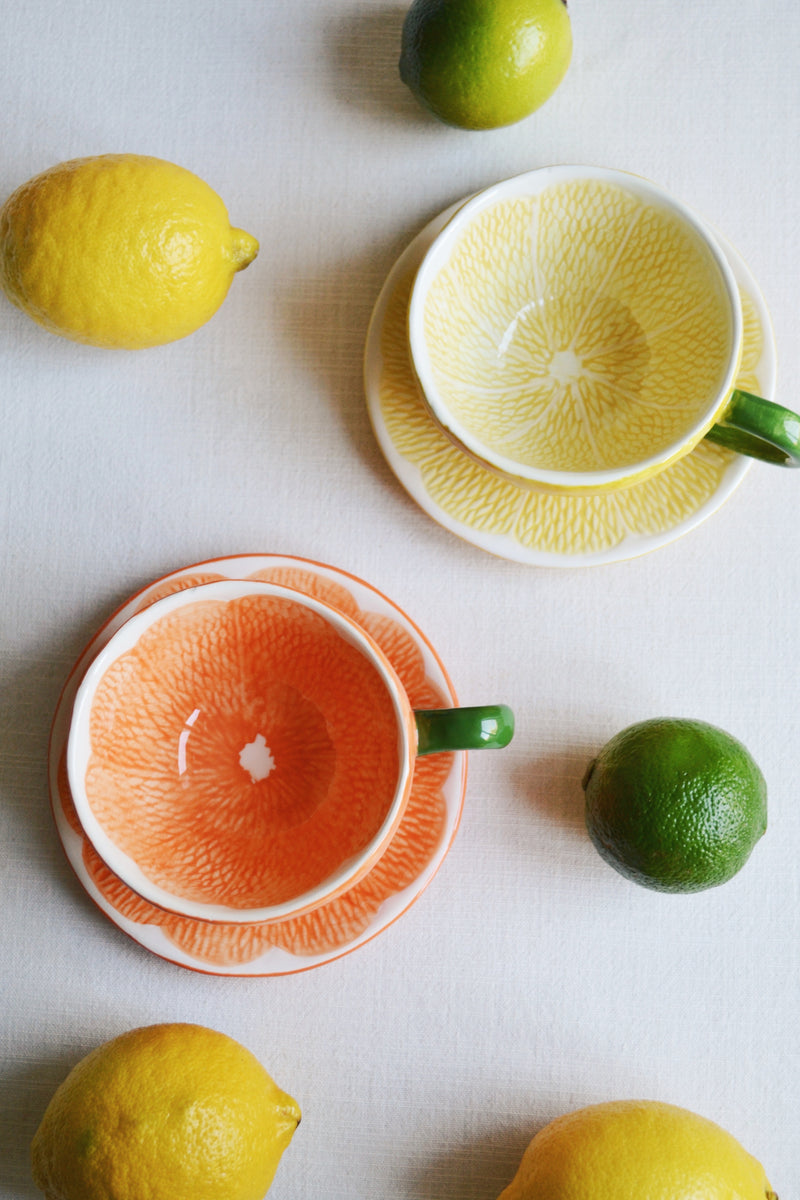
(481, 64)
(123, 251)
(166, 1112)
(636, 1150)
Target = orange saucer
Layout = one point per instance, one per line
(400, 875)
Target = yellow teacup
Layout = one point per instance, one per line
(576, 328)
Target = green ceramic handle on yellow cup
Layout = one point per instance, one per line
(484, 727)
(760, 429)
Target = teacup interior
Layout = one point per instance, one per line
(242, 751)
(583, 328)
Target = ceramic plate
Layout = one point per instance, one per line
(534, 527)
(400, 875)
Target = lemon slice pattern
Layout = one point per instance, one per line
(579, 329)
(543, 522)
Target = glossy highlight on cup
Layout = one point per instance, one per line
(241, 752)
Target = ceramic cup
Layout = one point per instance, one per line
(578, 329)
(243, 752)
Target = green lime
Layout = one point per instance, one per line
(675, 805)
(480, 64)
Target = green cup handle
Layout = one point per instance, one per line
(487, 726)
(760, 429)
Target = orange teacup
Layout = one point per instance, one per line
(243, 752)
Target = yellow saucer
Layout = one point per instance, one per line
(532, 527)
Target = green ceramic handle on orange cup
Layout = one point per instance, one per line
(484, 727)
(758, 428)
(312, 750)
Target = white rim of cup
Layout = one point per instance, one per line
(79, 753)
(531, 183)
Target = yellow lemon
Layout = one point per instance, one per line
(636, 1150)
(121, 250)
(166, 1112)
(480, 64)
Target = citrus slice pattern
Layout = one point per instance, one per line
(579, 329)
(540, 523)
(241, 751)
(333, 927)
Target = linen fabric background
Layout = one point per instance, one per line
(529, 979)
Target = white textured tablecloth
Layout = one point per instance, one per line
(529, 978)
